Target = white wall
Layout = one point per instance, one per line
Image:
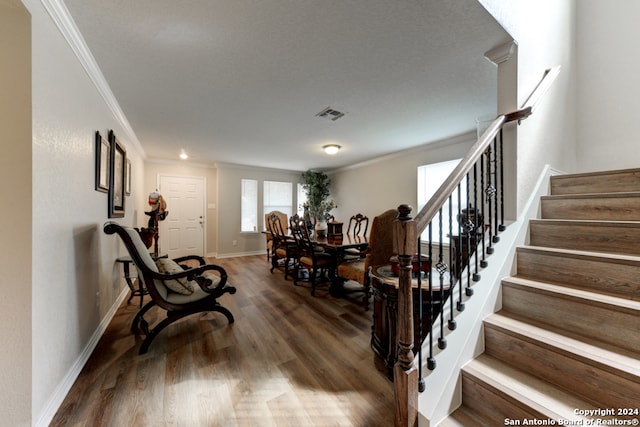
(544, 32)
(15, 215)
(608, 89)
(75, 279)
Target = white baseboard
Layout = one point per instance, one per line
(237, 254)
(63, 388)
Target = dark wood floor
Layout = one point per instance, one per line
(290, 359)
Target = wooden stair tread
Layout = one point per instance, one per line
(529, 391)
(596, 174)
(575, 253)
(592, 298)
(613, 359)
(618, 195)
(602, 181)
(590, 222)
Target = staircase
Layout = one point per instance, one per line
(567, 340)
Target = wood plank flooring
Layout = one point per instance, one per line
(289, 359)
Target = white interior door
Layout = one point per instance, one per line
(182, 232)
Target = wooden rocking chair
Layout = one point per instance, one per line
(176, 288)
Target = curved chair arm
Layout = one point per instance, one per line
(198, 258)
(197, 275)
(205, 282)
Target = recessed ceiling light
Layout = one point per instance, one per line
(331, 148)
(183, 155)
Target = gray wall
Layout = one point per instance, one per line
(229, 177)
(15, 216)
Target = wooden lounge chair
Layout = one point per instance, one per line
(172, 286)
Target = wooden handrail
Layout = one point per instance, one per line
(407, 229)
(439, 198)
(449, 185)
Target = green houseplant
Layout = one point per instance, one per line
(317, 186)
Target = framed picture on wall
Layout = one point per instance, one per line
(102, 163)
(127, 179)
(117, 179)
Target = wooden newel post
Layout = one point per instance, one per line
(405, 371)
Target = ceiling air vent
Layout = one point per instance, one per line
(330, 114)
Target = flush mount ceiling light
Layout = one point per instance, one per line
(183, 155)
(331, 148)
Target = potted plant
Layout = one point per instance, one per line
(316, 184)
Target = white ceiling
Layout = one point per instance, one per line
(241, 81)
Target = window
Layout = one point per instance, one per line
(249, 205)
(278, 197)
(302, 199)
(430, 178)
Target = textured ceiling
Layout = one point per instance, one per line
(241, 81)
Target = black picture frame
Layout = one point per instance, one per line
(127, 178)
(117, 177)
(103, 164)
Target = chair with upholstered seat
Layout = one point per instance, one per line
(173, 286)
(284, 247)
(378, 252)
(269, 235)
(310, 256)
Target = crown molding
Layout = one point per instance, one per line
(60, 15)
(501, 53)
(463, 138)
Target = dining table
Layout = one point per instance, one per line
(338, 246)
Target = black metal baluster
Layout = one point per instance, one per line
(483, 261)
(490, 191)
(501, 227)
(496, 238)
(431, 360)
(452, 322)
(468, 229)
(476, 220)
(421, 383)
(442, 269)
(458, 272)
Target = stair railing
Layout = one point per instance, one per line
(472, 196)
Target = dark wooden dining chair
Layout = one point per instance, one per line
(358, 226)
(378, 252)
(285, 250)
(269, 235)
(310, 256)
(173, 286)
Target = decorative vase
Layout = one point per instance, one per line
(321, 228)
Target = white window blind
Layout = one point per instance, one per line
(249, 208)
(278, 196)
